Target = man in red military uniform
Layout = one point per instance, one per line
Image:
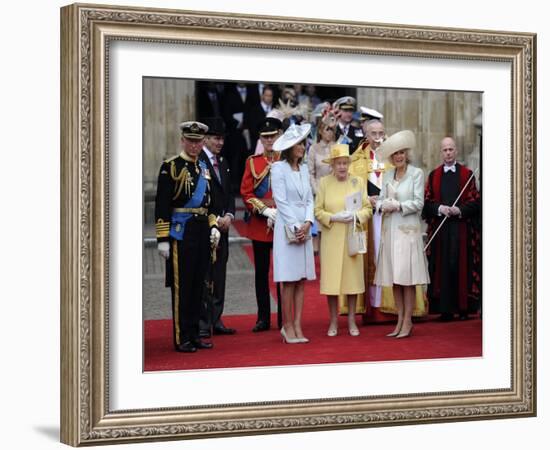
(258, 199)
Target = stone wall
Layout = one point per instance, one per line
(166, 103)
(431, 115)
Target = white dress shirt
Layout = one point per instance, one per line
(266, 107)
(214, 160)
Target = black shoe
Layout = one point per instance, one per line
(224, 330)
(204, 333)
(463, 316)
(186, 347)
(202, 345)
(260, 326)
(446, 317)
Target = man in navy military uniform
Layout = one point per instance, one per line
(346, 133)
(186, 232)
(223, 206)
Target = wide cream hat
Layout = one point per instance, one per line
(337, 151)
(293, 134)
(402, 140)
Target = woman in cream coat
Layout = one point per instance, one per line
(340, 273)
(401, 259)
(293, 260)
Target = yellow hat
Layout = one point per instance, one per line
(337, 151)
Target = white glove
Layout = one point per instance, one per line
(214, 237)
(444, 210)
(270, 213)
(270, 223)
(164, 249)
(390, 205)
(342, 217)
(454, 211)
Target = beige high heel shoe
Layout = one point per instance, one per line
(288, 340)
(397, 329)
(332, 331)
(402, 335)
(303, 339)
(395, 332)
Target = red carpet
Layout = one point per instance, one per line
(430, 339)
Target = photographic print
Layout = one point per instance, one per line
(240, 298)
(347, 210)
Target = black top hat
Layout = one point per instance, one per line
(269, 126)
(216, 126)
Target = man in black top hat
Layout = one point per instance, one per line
(186, 230)
(223, 206)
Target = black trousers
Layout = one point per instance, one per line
(212, 308)
(190, 258)
(262, 252)
(449, 246)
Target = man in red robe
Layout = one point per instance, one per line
(454, 254)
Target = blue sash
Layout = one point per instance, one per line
(344, 139)
(179, 219)
(262, 188)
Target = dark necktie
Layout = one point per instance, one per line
(215, 165)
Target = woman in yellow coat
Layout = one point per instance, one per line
(340, 273)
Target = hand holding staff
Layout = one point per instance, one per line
(452, 207)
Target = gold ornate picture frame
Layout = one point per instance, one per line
(87, 34)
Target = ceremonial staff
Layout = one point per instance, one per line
(454, 204)
(209, 290)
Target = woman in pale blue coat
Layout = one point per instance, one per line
(293, 260)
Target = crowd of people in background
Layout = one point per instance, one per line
(243, 106)
(315, 176)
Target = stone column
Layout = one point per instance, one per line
(166, 103)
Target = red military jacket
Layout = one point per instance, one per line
(256, 194)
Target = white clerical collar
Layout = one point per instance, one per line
(452, 168)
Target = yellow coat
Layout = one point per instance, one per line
(340, 273)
